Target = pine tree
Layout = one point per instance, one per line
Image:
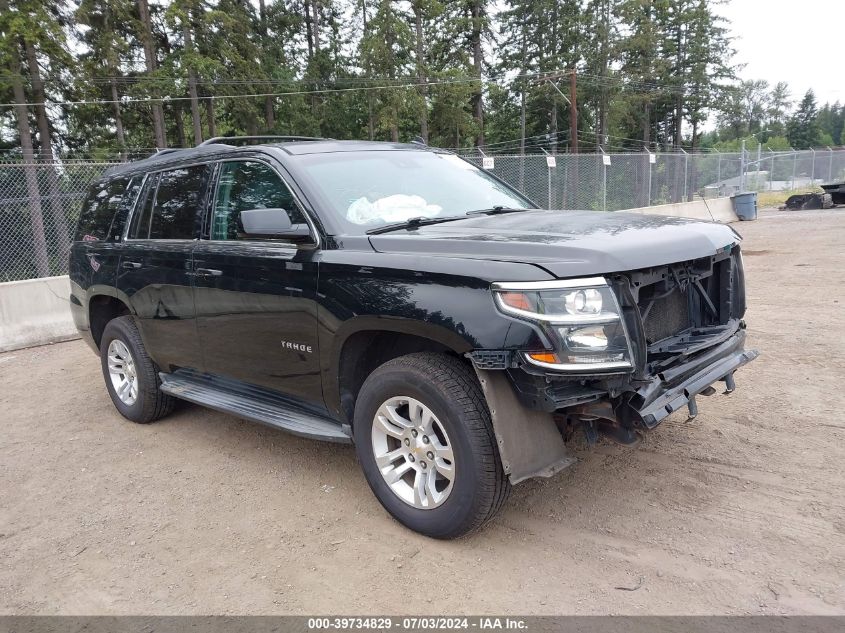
(10, 54)
(546, 38)
(803, 130)
(423, 12)
(386, 52)
(602, 44)
(35, 35)
(778, 105)
(145, 33)
(828, 120)
(107, 46)
(520, 51)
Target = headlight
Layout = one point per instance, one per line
(586, 301)
(581, 317)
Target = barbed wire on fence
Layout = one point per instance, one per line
(40, 202)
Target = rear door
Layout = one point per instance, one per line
(156, 267)
(96, 248)
(256, 299)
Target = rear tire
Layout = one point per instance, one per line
(130, 374)
(422, 413)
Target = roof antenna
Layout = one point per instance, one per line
(419, 140)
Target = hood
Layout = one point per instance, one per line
(566, 243)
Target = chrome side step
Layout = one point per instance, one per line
(252, 403)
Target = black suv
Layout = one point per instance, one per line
(400, 298)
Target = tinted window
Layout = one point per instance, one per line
(246, 185)
(177, 200)
(140, 227)
(100, 218)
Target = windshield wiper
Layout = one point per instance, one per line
(496, 210)
(411, 223)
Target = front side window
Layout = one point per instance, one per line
(245, 185)
(171, 206)
(368, 189)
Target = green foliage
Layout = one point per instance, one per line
(803, 130)
(778, 144)
(649, 73)
(831, 121)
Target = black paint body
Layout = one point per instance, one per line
(432, 282)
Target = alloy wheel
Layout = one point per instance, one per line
(413, 452)
(122, 372)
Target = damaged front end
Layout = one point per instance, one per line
(616, 354)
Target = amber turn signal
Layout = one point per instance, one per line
(518, 300)
(544, 357)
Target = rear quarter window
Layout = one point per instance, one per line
(104, 210)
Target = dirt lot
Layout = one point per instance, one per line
(741, 511)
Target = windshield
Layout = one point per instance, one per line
(369, 189)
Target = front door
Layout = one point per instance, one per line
(256, 299)
(155, 272)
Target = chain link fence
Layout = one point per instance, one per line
(614, 182)
(39, 206)
(786, 171)
(40, 202)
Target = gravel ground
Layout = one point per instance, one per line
(740, 512)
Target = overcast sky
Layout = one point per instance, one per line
(799, 42)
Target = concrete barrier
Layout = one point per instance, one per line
(35, 312)
(717, 209)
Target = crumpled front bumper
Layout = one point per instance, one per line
(530, 413)
(675, 387)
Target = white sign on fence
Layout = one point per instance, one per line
(652, 158)
(606, 159)
(551, 163)
(488, 163)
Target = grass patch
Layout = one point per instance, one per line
(775, 199)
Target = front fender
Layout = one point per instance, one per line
(444, 300)
(457, 342)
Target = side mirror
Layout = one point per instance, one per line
(272, 223)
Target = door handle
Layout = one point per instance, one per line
(208, 272)
(133, 265)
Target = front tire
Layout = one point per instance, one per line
(425, 441)
(130, 374)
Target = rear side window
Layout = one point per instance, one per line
(171, 208)
(103, 211)
(140, 227)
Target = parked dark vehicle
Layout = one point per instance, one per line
(397, 297)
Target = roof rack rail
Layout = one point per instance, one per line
(244, 140)
(168, 150)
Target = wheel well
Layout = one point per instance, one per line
(101, 310)
(364, 351)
